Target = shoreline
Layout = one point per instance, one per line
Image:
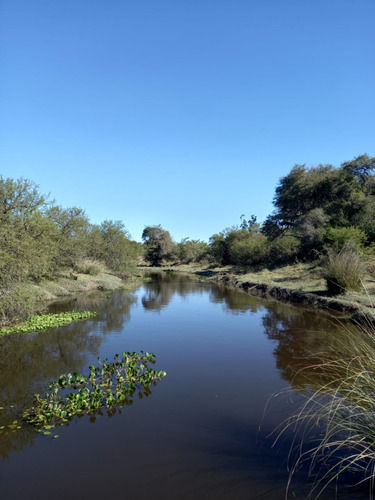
(354, 309)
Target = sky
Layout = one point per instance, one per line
(184, 113)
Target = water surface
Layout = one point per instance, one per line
(203, 432)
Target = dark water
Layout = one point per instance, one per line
(203, 433)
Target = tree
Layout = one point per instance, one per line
(158, 244)
(110, 242)
(26, 249)
(71, 232)
(362, 169)
(191, 250)
(19, 199)
(308, 200)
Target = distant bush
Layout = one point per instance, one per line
(92, 267)
(337, 237)
(344, 270)
(192, 251)
(249, 251)
(283, 250)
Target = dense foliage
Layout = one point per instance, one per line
(38, 239)
(317, 210)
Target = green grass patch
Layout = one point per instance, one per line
(43, 322)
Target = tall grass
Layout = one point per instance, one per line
(344, 270)
(92, 267)
(336, 422)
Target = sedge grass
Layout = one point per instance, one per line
(344, 271)
(335, 425)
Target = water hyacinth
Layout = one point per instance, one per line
(45, 321)
(108, 385)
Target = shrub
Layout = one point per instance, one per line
(337, 237)
(283, 250)
(248, 252)
(16, 303)
(344, 270)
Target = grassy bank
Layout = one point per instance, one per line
(78, 283)
(27, 299)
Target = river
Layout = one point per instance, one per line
(205, 432)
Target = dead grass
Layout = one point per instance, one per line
(84, 283)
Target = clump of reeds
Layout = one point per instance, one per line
(92, 267)
(339, 413)
(344, 270)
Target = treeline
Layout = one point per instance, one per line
(38, 239)
(317, 210)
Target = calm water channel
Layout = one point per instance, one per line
(202, 433)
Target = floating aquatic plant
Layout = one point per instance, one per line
(107, 386)
(45, 321)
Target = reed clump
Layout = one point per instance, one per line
(93, 267)
(337, 419)
(344, 270)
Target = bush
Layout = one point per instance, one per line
(343, 271)
(337, 237)
(16, 303)
(92, 267)
(252, 251)
(283, 250)
(192, 251)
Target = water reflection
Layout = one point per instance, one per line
(159, 292)
(301, 336)
(28, 362)
(254, 339)
(234, 301)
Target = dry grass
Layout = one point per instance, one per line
(84, 283)
(92, 267)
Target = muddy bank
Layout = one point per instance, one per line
(317, 299)
(287, 295)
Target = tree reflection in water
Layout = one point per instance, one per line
(28, 362)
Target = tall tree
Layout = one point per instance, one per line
(158, 244)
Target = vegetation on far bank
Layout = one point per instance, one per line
(324, 218)
(322, 214)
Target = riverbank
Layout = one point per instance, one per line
(71, 284)
(28, 299)
(299, 283)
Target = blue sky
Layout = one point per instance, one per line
(183, 113)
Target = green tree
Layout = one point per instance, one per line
(70, 235)
(309, 200)
(110, 242)
(192, 250)
(26, 249)
(158, 244)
